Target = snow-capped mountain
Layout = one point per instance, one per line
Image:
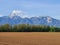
(15, 18)
(33, 20)
(18, 13)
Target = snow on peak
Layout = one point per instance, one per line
(49, 20)
(18, 13)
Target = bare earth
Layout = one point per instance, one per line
(29, 38)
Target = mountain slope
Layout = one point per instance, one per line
(16, 17)
(33, 20)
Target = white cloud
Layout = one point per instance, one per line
(22, 14)
(19, 13)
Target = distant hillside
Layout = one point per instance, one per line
(33, 20)
(16, 18)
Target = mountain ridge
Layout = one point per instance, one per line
(44, 20)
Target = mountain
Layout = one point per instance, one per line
(15, 18)
(33, 20)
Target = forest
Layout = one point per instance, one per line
(28, 28)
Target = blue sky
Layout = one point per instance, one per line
(31, 7)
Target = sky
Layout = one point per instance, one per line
(31, 7)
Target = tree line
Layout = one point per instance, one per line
(28, 28)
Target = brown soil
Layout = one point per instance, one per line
(29, 38)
